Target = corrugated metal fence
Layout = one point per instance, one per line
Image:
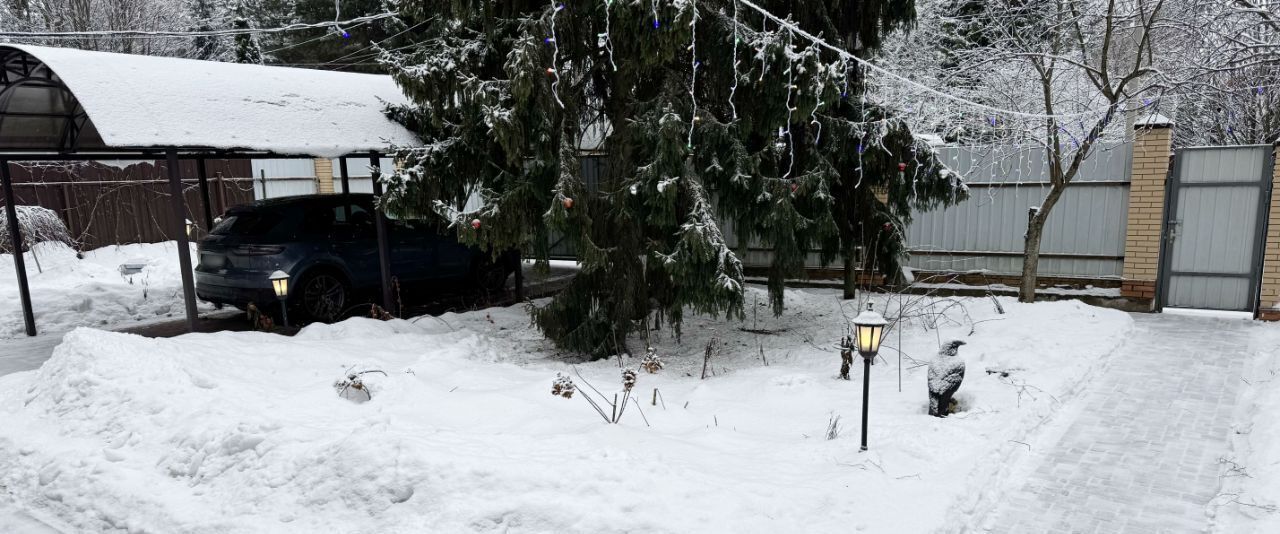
(275, 178)
(358, 174)
(1084, 236)
(283, 178)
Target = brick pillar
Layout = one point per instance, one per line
(1269, 304)
(324, 175)
(1152, 141)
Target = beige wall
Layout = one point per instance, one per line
(324, 175)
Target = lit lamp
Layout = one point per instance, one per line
(868, 327)
(280, 284)
(191, 228)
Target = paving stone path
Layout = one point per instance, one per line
(1142, 453)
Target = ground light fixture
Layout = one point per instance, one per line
(868, 327)
(191, 228)
(280, 285)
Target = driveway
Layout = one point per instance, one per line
(1139, 449)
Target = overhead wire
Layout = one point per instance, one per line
(792, 28)
(324, 35)
(199, 33)
(358, 21)
(378, 42)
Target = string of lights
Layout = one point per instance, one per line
(794, 29)
(693, 72)
(554, 70)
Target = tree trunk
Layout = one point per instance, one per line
(850, 272)
(1036, 218)
(1031, 256)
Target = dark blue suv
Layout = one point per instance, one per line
(328, 246)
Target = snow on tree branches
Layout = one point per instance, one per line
(638, 134)
(37, 225)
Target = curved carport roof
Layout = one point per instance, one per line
(67, 101)
(70, 104)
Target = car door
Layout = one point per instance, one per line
(413, 254)
(453, 259)
(354, 240)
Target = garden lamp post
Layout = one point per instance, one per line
(191, 228)
(280, 284)
(868, 326)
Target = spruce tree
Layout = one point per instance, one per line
(964, 27)
(247, 48)
(207, 15)
(710, 116)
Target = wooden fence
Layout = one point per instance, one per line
(109, 204)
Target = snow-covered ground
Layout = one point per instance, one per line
(1089, 291)
(243, 432)
(73, 292)
(1249, 500)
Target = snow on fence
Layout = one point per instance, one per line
(1083, 238)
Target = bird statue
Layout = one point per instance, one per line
(946, 371)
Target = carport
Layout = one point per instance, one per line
(61, 104)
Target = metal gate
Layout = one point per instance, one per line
(1214, 228)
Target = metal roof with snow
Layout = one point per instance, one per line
(65, 101)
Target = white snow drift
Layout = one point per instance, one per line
(243, 432)
(73, 292)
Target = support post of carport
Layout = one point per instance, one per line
(346, 181)
(180, 230)
(15, 237)
(203, 174)
(519, 276)
(380, 225)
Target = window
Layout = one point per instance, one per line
(248, 223)
(318, 220)
(352, 218)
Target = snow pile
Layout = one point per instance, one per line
(243, 432)
(92, 291)
(1088, 291)
(1249, 500)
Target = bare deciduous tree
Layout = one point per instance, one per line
(1070, 75)
(98, 15)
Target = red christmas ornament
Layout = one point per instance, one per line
(902, 167)
(794, 187)
(568, 202)
(888, 227)
(475, 224)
